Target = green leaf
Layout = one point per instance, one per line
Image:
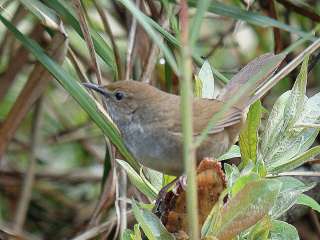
(246, 208)
(137, 180)
(166, 179)
(153, 176)
(197, 87)
(102, 48)
(248, 139)
(232, 173)
(150, 224)
(153, 35)
(137, 233)
(283, 144)
(214, 217)
(242, 182)
(294, 162)
(295, 106)
(127, 235)
(253, 79)
(222, 9)
(260, 231)
(207, 81)
(311, 113)
(308, 201)
(75, 90)
(233, 152)
(290, 191)
(282, 230)
(46, 15)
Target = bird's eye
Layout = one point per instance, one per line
(119, 95)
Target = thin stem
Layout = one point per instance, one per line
(131, 41)
(26, 192)
(187, 129)
(86, 34)
(107, 28)
(299, 173)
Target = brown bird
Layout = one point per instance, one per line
(150, 124)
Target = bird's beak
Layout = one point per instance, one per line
(97, 88)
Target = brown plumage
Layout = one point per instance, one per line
(150, 124)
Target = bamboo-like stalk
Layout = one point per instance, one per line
(187, 129)
(26, 191)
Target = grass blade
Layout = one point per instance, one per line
(75, 90)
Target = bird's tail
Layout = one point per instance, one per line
(256, 67)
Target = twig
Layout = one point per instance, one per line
(315, 220)
(37, 82)
(95, 231)
(73, 58)
(18, 61)
(221, 40)
(19, 15)
(122, 183)
(300, 173)
(26, 192)
(187, 129)
(300, 9)
(313, 62)
(107, 28)
(86, 33)
(153, 9)
(276, 31)
(152, 58)
(71, 177)
(131, 42)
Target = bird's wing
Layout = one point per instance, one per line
(203, 111)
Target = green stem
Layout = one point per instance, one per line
(186, 118)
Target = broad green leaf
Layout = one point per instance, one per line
(150, 224)
(46, 15)
(102, 48)
(242, 182)
(306, 200)
(137, 180)
(295, 162)
(232, 174)
(248, 139)
(246, 208)
(295, 106)
(282, 230)
(166, 179)
(153, 35)
(214, 217)
(233, 152)
(311, 113)
(290, 191)
(260, 231)
(207, 81)
(127, 235)
(75, 90)
(137, 233)
(154, 177)
(283, 143)
(197, 87)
